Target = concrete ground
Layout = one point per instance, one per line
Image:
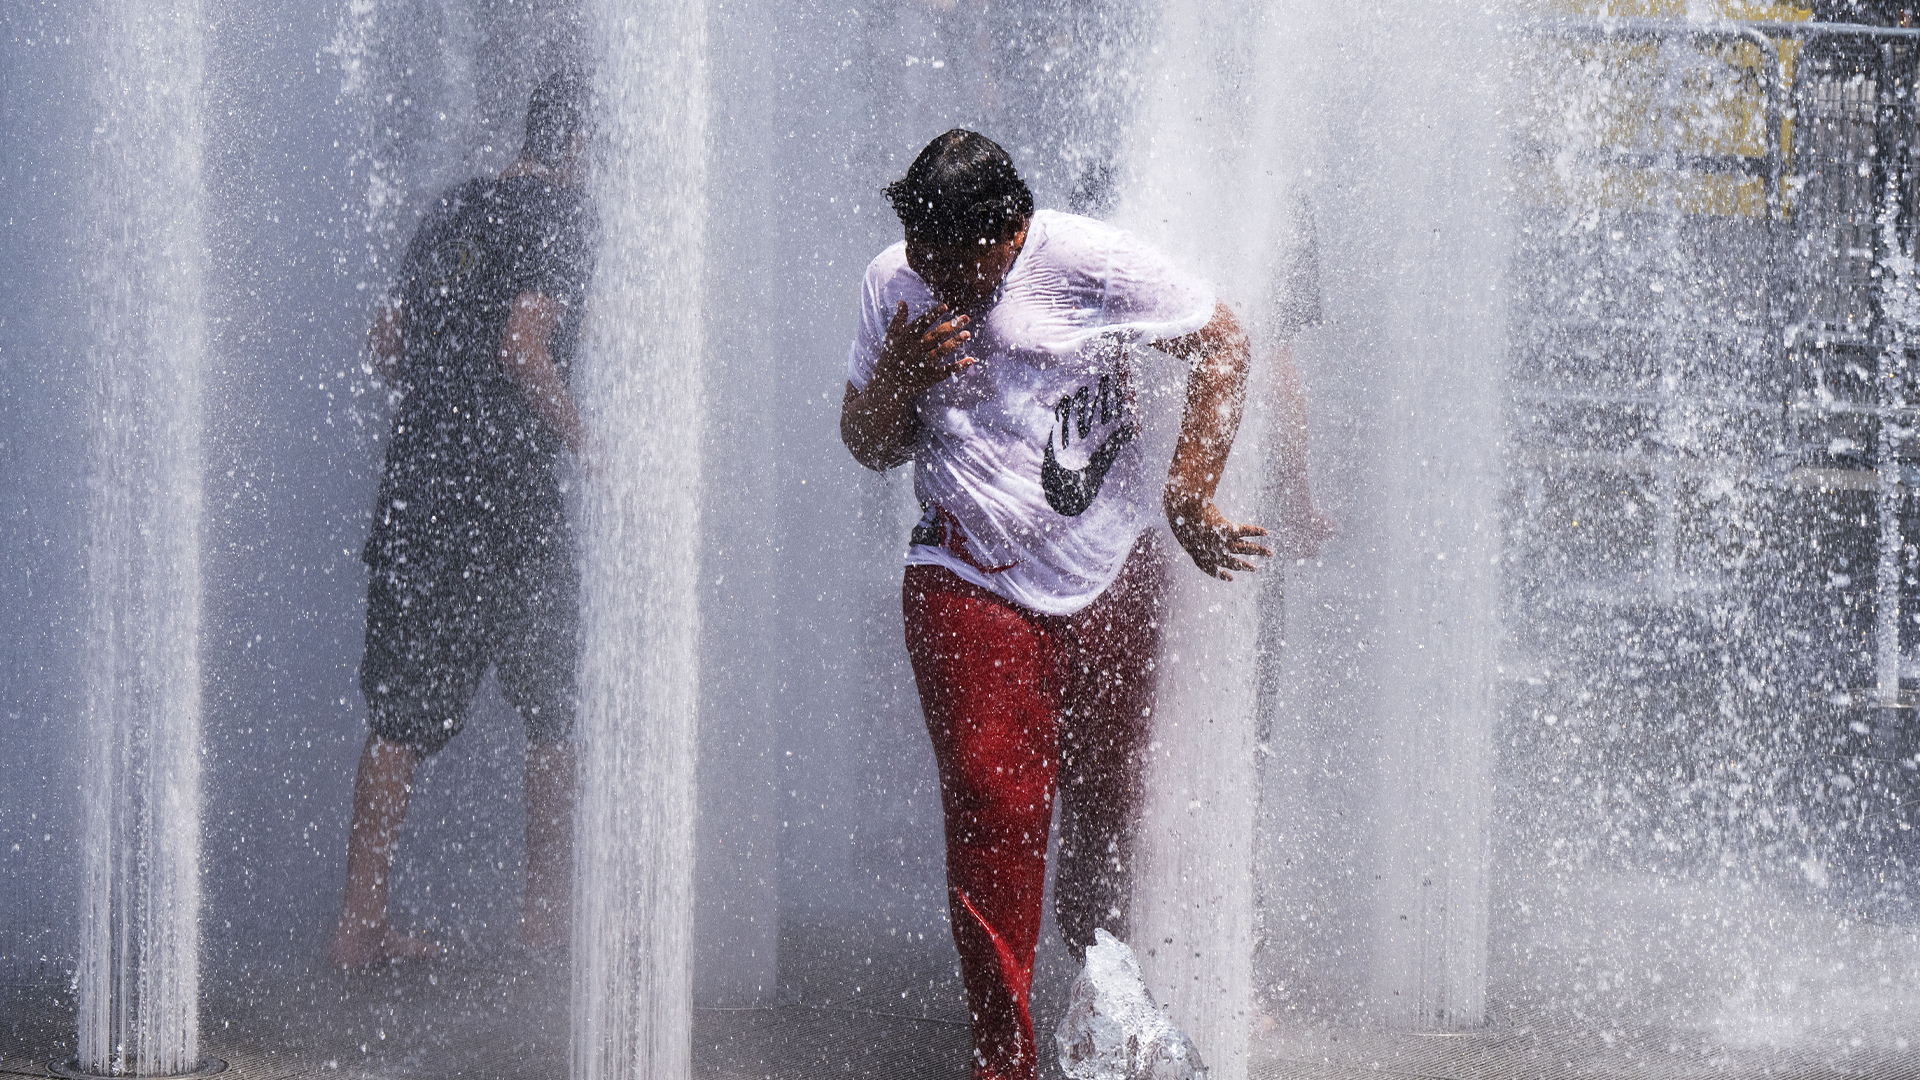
(899, 1013)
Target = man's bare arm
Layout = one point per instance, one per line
(387, 337)
(1216, 393)
(877, 421)
(877, 425)
(524, 356)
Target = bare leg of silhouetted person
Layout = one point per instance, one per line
(546, 918)
(380, 791)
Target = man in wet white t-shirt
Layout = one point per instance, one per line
(996, 351)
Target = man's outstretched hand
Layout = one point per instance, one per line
(1217, 546)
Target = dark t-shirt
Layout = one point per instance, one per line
(471, 467)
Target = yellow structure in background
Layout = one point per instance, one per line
(1642, 122)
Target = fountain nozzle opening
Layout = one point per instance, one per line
(71, 1068)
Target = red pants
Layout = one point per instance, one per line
(1017, 702)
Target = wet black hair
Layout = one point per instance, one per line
(557, 112)
(963, 187)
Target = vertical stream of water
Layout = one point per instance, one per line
(138, 967)
(641, 385)
(1386, 143)
(1438, 344)
(1202, 188)
(1392, 641)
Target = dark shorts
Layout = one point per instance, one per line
(431, 635)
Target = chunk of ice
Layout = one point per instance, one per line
(1112, 1029)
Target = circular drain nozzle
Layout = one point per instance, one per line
(71, 1069)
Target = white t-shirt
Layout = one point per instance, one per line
(1034, 485)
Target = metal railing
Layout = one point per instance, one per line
(1833, 160)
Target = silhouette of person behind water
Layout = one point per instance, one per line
(471, 558)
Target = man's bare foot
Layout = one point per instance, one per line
(363, 947)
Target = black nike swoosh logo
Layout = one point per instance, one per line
(1071, 491)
